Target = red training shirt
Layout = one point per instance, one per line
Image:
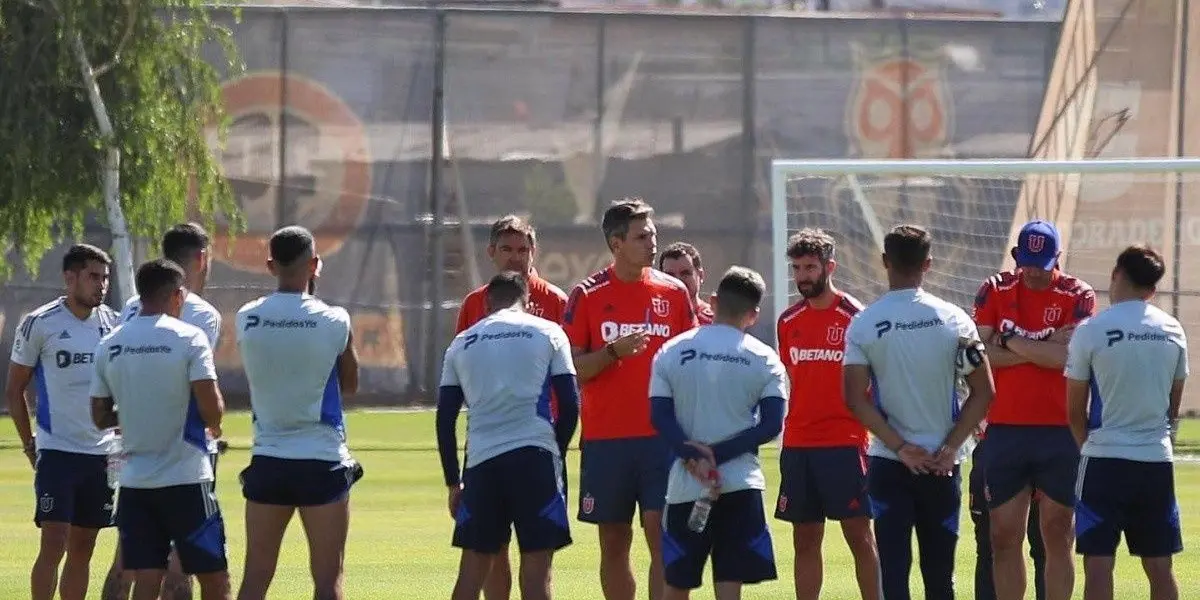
(545, 301)
(1027, 394)
(602, 308)
(811, 343)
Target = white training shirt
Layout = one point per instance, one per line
(290, 344)
(147, 367)
(60, 348)
(196, 311)
(504, 364)
(1131, 353)
(716, 375)
(909, 338)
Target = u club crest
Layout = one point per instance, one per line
(835, 335)
(660, 306)
(1036, 243)
(1052, 314)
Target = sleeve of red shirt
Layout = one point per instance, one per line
(1085, 305)
(462, 316)
(575, 320)
(560, 305)
(984, 312)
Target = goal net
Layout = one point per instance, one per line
(974, 209)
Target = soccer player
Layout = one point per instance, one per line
(616, 320)
(717, 394)
(187, 245)
(1026, 318)
(1133, 358)
(904, 349)
(156, 374)
(299, 357)
(513, 247)
(499, 368)
(822, 464)
(54, 349)
(681, 260)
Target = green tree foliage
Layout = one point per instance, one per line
(148, 57)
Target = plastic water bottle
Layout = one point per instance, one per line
(698, 519)
(116, 459)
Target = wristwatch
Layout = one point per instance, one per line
(1005, 336)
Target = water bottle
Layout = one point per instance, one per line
(116, 459)
(698, 519)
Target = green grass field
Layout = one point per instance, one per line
(400, 531)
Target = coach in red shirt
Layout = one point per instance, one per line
(513, 247)
(616, 320)
(1029, 315)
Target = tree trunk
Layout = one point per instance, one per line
(121, 245)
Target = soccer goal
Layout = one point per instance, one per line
(974, 209)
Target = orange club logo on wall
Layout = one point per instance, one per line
(326, 174)
(900, 106)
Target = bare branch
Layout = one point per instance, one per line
(33, 4)
(130, 22)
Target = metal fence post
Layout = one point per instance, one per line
(436, 207)
(749, 136)
(1181, 150)
(598, 127)
(282, 213)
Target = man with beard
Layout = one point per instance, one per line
(616, 320)
(822, 464)
(55, 347)
(512, 247)
(681, 260)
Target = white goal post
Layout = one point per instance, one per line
(974, 209)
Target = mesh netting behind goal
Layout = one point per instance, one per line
(969, 217)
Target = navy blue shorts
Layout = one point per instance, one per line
(294, 482)
(520, 489)
(736, 536)
(1125, 496)
(188, 517)
(72, 488)
(616, 477)
(822, 483)
(1044, 458)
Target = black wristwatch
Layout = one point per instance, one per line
(1005, 336)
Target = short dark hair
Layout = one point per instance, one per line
(621, 214)
(1142, 265)
(679, 250)
(740, 292)
(183, 242)
(78, 256)
(506, 288)
(157, 279)
(811, 242)
(907, 248)
(290, 244)
(512, 224)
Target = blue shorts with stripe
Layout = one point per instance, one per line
(297, 482)
(520, 489)
(1131, 497)
(736, 536)
(72, 488)
(822, 483)
(151, 520)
